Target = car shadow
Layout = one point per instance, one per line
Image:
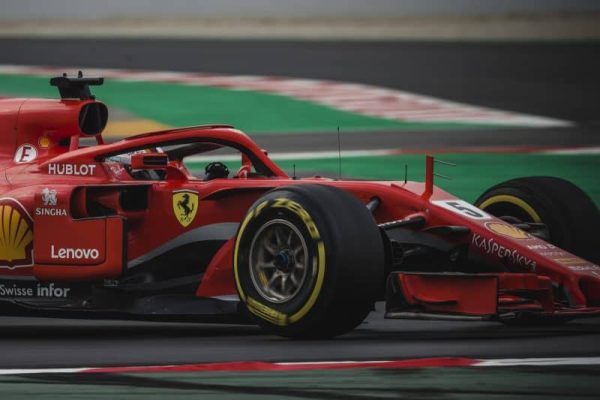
(371, 330)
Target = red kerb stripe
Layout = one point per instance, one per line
(268, 366)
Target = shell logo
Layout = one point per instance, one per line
(16, 235)
(44, 142)
(507, 230)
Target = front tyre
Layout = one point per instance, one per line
(308, 261)
(571, 217)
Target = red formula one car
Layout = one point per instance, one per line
(124, 230)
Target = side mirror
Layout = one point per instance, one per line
(149, 161)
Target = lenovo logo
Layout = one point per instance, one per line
(74, 254)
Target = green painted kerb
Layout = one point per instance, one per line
(253, 112)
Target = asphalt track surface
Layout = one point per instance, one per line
(554, 80)
(39, 343)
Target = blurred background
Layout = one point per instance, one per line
(501, 88)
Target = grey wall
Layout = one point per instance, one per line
(29, 9)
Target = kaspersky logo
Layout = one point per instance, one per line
(16, 235)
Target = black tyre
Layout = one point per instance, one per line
(572, 218)
(308, 261)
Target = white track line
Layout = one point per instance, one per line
(26, 371)
(580, 151)
(512, 362)
(332, 362)
(358, 98)
(317, 155)
(313, 155)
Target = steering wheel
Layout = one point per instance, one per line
(243, 172)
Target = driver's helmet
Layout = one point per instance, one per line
(215, 170)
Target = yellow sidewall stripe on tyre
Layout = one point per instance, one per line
(317, 289)
(261, 310)
(505, 198)
(267, 313)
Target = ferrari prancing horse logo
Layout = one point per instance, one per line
(185, 206)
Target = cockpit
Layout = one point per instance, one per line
(204, 161)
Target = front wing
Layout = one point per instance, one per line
(491, 296)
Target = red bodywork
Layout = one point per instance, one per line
(51, 195)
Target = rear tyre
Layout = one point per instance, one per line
(308, 261)
(572, 218)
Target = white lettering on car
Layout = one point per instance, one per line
(582, 268)
(14, 291)
(71, 169)
(463, 208)
(50, 200)
(544, 246)
(51, 291)
(73, 254)
(491, 247)
(40, 290)
(53, 212)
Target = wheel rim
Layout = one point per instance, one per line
(278, 261)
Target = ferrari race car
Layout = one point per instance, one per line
(125, 230)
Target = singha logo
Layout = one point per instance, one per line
(49, 197)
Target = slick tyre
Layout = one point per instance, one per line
(308, 261)
(570, 215)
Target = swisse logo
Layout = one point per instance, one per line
(52, 212)
(39, 290)
(73, 254)
(71, 169)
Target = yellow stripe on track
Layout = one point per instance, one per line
(119, 129)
